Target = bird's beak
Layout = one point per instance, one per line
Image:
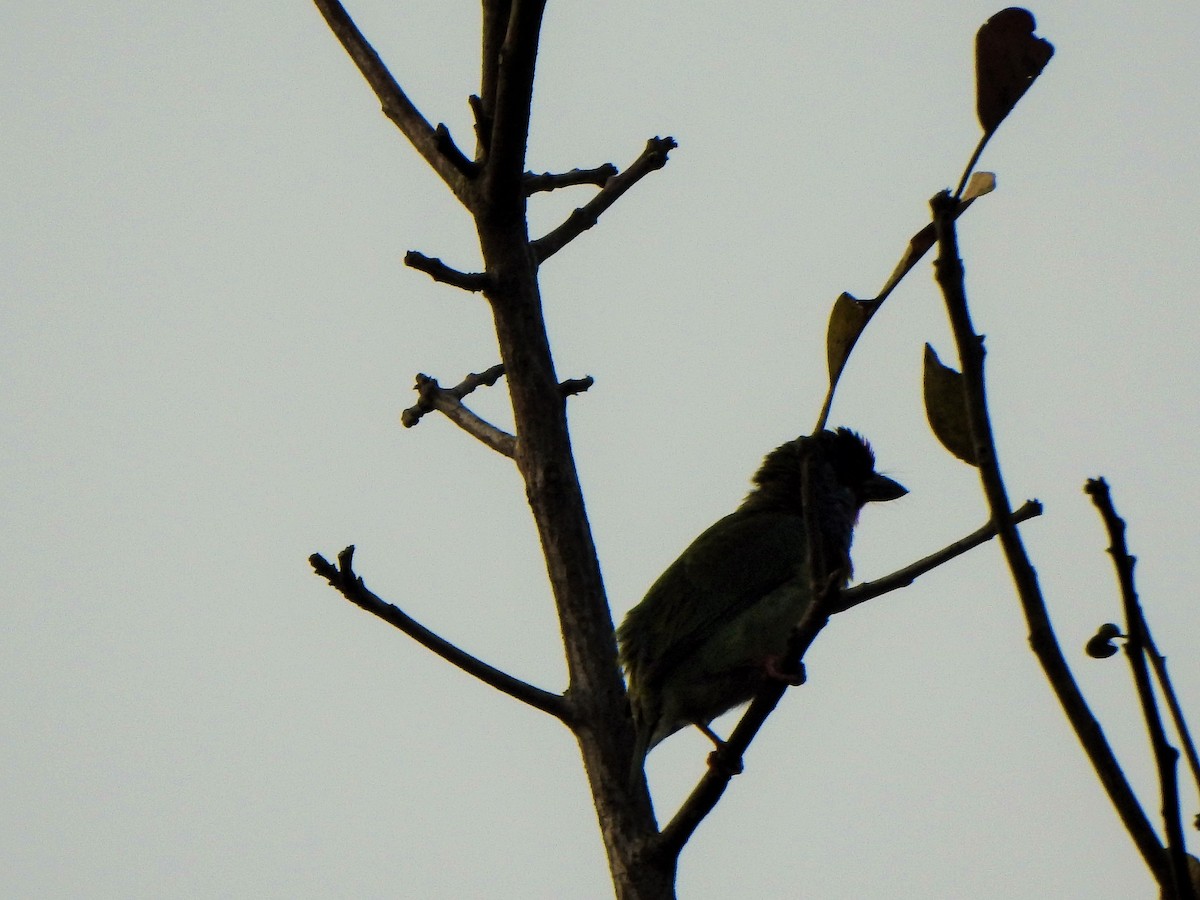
(880, 487)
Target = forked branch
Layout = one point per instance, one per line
(653, 157)
(950, 278)
(448, 401)
(1166, 757)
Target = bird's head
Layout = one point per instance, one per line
(845, 464)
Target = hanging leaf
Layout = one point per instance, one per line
(849, 316)
(847, 320)
(1007, 60)
(946, 407)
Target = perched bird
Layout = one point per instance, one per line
(712, 629)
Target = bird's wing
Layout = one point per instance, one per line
(734, 563)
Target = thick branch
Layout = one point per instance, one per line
(513, 91)
(598, 706)
(395, 103)
(1166, 757)
(949, 271)
(351, 586)
(439, 271)
(580, 220)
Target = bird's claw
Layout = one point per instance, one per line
(720, 763)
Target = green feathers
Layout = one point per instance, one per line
(713, 625)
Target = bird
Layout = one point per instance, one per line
(713, 627)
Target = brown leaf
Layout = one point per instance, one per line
(981, 183)
(1007, 60)
(946, 407)
(847, 320)
(849, 316)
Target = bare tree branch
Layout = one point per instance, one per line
(580, 220)
(950, 277)
(439, 271)
(511, 93)
(573, 386)
(1166, 757)
(869, 590)
(395, 103)
(448, 401)
(550, 182)
(1164, 682)
(449, 149)
(351, 586)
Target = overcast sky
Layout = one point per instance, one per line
(208, 336)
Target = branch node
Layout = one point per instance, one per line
(653, 157)
(449, 149)
(448, 401)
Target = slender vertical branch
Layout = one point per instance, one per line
(1166, 757)
(1159, 662)
(517, 56)
(949, 272)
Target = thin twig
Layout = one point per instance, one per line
(573, 386)
(966, 175)
(395, 103)
(439, 271)
(449, 149)
(351, 586)
(448, 401)
(950, 278)
(580, 220)
(901, 578)
(548, 181)
(1185, 737)
(1166, 757)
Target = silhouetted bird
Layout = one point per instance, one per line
(712, 629)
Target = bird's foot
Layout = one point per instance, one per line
(721, 763)
(795, 679)
(721, 760)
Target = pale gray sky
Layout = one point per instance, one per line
(209, 334)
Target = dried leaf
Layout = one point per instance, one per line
(981, 183)
(946, 407)
(849, 316)
(847, 320)
(1007, 60)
